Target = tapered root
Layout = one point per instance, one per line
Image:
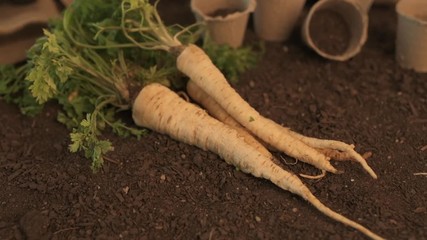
(194, 63)
(290, 182)
(330, 147)
(315, 177)
(287, 144)
(338, 217)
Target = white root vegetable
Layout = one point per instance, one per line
(158, 108)
(193, 62)
(215, 110)
(341, 147)
(322, 146)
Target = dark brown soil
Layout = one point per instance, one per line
(330, 32)
(157, 188)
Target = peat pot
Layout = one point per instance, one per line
(226, 20)
(274, 20)
(411, 42)
(337, 29)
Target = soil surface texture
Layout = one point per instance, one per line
(330, 32)
(157, 188)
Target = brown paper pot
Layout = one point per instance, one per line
(13, 47)
(20, 26)
(67, 2)
(411, 43)
(229, 29)
(274, 20)
(354, 18)
(14, 17)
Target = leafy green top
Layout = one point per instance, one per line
(92, 59)
(90, 72)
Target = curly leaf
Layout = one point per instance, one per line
(85, 138)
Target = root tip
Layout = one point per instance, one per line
(335, 171)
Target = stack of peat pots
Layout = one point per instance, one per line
(226, 20)
(334, 29)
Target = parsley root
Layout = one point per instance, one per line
(160, 109)
(193, 62)
(331, 149)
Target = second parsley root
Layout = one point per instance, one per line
(329, 148)
(196, 64)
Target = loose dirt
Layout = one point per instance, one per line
(330, 32)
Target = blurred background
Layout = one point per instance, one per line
(22, 21)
